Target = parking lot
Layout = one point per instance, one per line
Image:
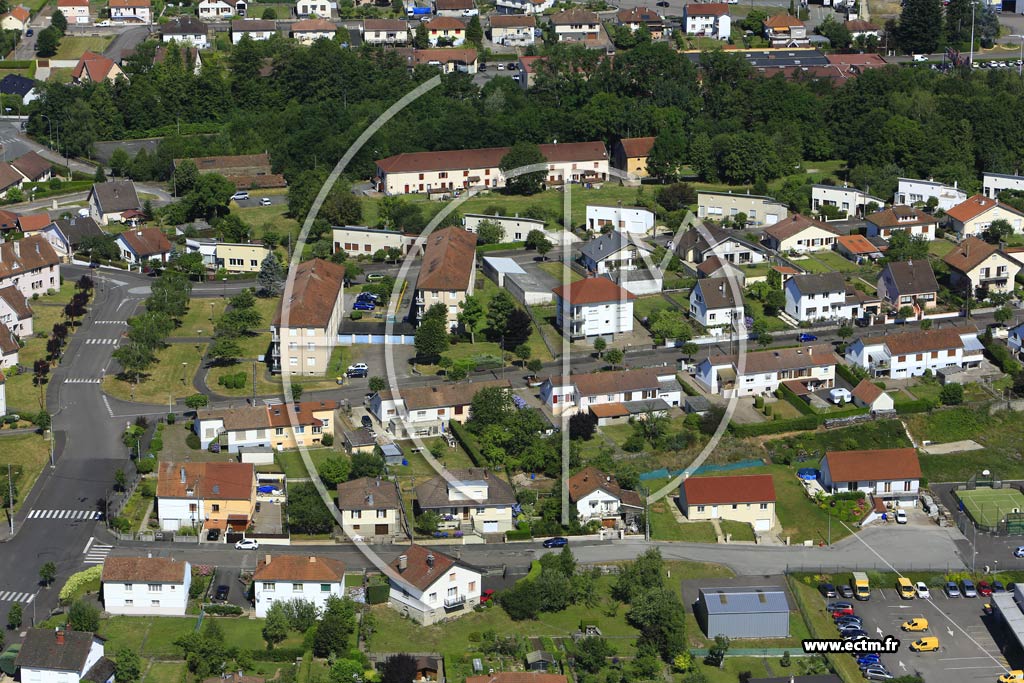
(968, 649)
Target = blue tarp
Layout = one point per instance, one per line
(265, 489)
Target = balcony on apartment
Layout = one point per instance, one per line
(454, 602)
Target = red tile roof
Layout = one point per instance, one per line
(873, 465)
(488, 157)
(898, 216)
(867, 391)
(637, 147)
(25, 255)
(857, 244)
(919, 341)
(593, 290)
(783, 21)
(146, 241)
(600, 383)
(706, 9)
(749, 488)
(315, 291)
(142, 569)
(969, 253)
(590, 479)
(299, 568)
(448, 261)
(446, 24)
(972, 207)
(92, 66)
(317, 25)
(423, 567)
(20, 13)
(34, 221)
(233, 480)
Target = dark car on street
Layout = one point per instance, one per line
(222, 593)
(827, 589)
(556, 542)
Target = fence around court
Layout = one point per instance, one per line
(995, 508)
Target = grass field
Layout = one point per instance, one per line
(940, 247)
(827, 262)
(262, 218)
(197, 322)
(169, 378)
(738, 531)
(558, 270)
(30, 453)
(72, 47)
(990, 506)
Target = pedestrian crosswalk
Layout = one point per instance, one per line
(103, 342)
(17, 596)
(82, 380)
(109, 322)
(66, 515)
(96, 553)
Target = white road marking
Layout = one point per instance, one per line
(87, 545)
(66, 515)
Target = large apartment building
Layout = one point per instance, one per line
(303, 339)
(448, 273)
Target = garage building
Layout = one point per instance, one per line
(743, 612)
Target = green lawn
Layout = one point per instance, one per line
(155, 636)
(27, 453)
(169, 378)
(1001, 436)
(139, 502)
(272, 217)
(290, 462)
(165, 672)
(821, 626)
(926, 389)
(878, 434)
(197, 322)
(940, 248)
(646, 306)
(558, 270)
(826, 262)
(739, 531)
(72, 47)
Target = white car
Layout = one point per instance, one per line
(901, 517)
(358, 366)
(247, 544)
(922, 590)
(265, 201)
(1019, 552)
(239, 196)
(839, 395)
(920, 58)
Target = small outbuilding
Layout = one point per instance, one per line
(743, 612)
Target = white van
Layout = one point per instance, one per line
(239, 196)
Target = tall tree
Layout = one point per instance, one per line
(475, 32)
(184, 177)
(668, 154)
(59, 21)
(431, 340)
(471, 314)
(270, 280)
(399, 668)
(920, 26)
(127, 666)
(275, 628)
(523, 154)
(420, 38)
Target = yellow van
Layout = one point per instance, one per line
(926, 644)
(905, 588)
(917, 624)
(1015, 676)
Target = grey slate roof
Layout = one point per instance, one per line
(819, 283)
(77, 228)
(434, 492)
(41, 650)
(604, 246)
(745, 600)
(116, 196)
(101, 672)
(912, 277)
(717, 293)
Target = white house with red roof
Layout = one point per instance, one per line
(974, 216)
(709, 19)
(741, 498)
(598, 496)
(869, 395)
(784, 30)
(75, 11)
(15, 20)
(625, 391)
(131, 11)
(281, 578)
(428, 586)
(593, 307)
(892, 474)
(911, 354)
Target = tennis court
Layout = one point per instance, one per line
(989, 507)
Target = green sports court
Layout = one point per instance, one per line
(988, 507)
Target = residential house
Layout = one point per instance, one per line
(636, 17)
(576, 24)
(33, 222)
(891, 474)
(714, 304)
(598, 496)
(307, 31)
(849, 201)
(783, 30)
(240, 258)
(95, 68)
(308, 322)
(109, 200)
(709, 19)
(3, 393)
(973, 217)
(980, 268)
(321, 9)
(280, 427)
(593, 307)
(911, 354)
(428, 586)
(246, 171)
(448, 272)
(740, 498)
(66, 235)
(517, 228)
(20, 87)
(15, 20)
(10, 179)
(911, 191)
(205, 495)
(446, 32)
(612, 252)
(426, 410)
(215, 9)
(759, 209)
(914, 222)
(1014, 339)
(908, 283)
(824, 296)
(761, 372)
(628, 219)
(385, 31)
(310, 578)
(75, 11)
(454, 8)
(130, 11)
(146, 586)
(799, 234)
(256, 29)
(186, 29)
(62, 656)
(622, 392)
(630, 155)
(360, 241)
(860, 249)
(432, 172)
(15, 312)
(448, 59)
(33, 168)
(473, 500)
(512, 30)
(859, 28)
(9, 348)
(141, 245)
(716, 267)
(698, 244)
(994, 183)
(370, 507)
(869, 395)
(524, 6)
(30, 264)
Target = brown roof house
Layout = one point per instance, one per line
(636, 17)
(746, 498)
(473, 500)
(15, 311)
(304, 338)
(593, 307)
(446, 32)
(713, 303)
(9, 347)
(908, 283)
(370, 507)
(912, 353)
(33, 167)
(96, 68)
(892, 474)
(306, 31)
(607, 395)
(142, 245)
(448, 273)
(798, 233)
(310, 578)
(31, 265)
(427, 410)
(33, 222)
(428, 586)
(512, 30)
(598, 496)
(869, 395)
(759, 373)
(109, 200)
(973, 216)
(914, 222)
(211, 495)
(630, 155)
(576, 24)
(57, 655)
(9, 179)
(275, 426)
(980, 268)
(146, 586)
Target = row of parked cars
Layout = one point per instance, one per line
(851, 627)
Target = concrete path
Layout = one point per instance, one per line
(952, 447)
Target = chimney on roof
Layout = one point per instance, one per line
(430, 560)
(312, 559)
(403, 562)
(17, 249)
(60, 635)
(266, 559)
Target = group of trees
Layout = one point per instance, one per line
(512, 436)
(166, 305)
(925, 25)
(48, 39)
(239, 321)
(559, 584)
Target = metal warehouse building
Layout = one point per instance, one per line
(743, 612)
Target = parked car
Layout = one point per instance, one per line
(375, 276)
(1015, 676)
(878, 673)
(556, 542)
(247, 544)
(845, 591)
(916, 624)
(827, 589)
(806, 337)
(366, 422)
(1019, 552)
(363, 306)
(239, 196)
(222, 593)
(265, 201)
(922, 590)
(901, 517)
(871, 657)
(357, 374)
(926, 644)
(486, 596)
(213, 535)
(849, 619)
(30, 32)
(842, 611)
(952, 590)
(358, 366)
(986, 608)
(854, 634)
(967, 589)
(984, 589)
(833, 606)
(998, 587)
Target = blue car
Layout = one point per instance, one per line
(805, 337)
(556, 542)
(363, 306)
(869, 658)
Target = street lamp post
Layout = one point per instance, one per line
(183, 366)
(1020, 62)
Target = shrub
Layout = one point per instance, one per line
(193, 442)
(171, 417)
(356, 315)
(81, 582)
(327, 440)
(223, 610)
(523, 534)
(377, 594)
(156, 445)
(145, 465)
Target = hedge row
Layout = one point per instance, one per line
(921, 405)
(468, 443)
(278, 654)
(518, 535)
(1001, 356)
(687, 389)
(503, 246)
(223, 610)
(790, 397)
(796, 424)
(378, 594)
(847, 373)
(16, 64)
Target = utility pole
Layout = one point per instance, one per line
(10, 497)
(973, 5)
